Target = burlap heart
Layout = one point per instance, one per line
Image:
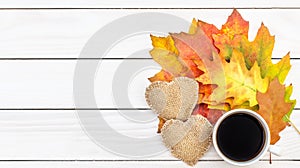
(188, 140)
(174, 100)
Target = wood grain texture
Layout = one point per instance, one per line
(49, 84)
(63, 33)
(40, 42)
(57, 135)
(147, 4)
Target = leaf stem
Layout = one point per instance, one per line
(292, 124)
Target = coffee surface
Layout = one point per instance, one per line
(240, 137)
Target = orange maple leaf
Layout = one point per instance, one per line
(272, 107)
(208, 29)
(161, 76)
(225, 39)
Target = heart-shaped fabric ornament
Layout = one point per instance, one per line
(189, 140)
(174, 100)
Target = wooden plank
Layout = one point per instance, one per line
(57, 135)
(147, 164)
(49, 84)
(146, 4)
(63, 33)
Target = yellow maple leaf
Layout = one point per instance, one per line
(166, 54)
(280, 69)
(287, 96)
(166, 43)
(241, 83)
(259, 50)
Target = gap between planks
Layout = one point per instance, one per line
(145, 8)
(148, 160)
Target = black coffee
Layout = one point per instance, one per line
(240, 137)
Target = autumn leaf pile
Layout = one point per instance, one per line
(232, 72)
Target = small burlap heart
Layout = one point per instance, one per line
(189, 140)
(174, 100)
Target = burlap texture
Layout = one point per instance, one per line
(189, 140)
(174, 100)
(189, 97)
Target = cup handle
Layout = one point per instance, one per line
(276, 150)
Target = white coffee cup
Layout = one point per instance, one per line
(266, 146)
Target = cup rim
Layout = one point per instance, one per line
(262, 122)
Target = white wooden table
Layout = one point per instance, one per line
(40, 41)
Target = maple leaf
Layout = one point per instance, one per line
(260, 50)
(241, 83)
(166, 43)
(234, 36)
(273, 107)
(203, 50)
(279, 70)
(165, 53)
(161, 76)
(208, 29)
(224, 40)
(287, 95)
(235, 25)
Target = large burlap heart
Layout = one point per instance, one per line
(188, 140)
(174, 100)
